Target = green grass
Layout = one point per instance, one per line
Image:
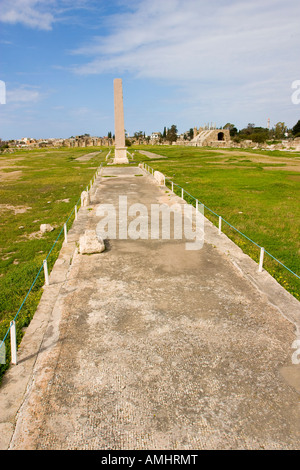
(262, 204)
(48, 187)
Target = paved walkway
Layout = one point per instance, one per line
(151, 155)
(150, 346)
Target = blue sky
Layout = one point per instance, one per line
(182, 62)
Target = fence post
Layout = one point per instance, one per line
(181, 193)
(172, 187)
(261, 260)
(220, 225)
(76, 213)
(66, 233)
(46, 273)
(13, 342)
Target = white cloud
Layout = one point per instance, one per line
(228, 58)
(31, 13)
(37, 14)
(197, 40)
(23, 94)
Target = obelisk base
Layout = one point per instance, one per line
(121, 155)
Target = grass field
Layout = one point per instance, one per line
(256, 192)
(36, 187)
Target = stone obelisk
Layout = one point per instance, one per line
(120, 149)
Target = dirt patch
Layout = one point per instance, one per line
(34, 235)
(241, 153)
(87, 157)
(294, 177)
(295, 168)
(7, 162)
(16, 209)
(11, 176)
(285, 163)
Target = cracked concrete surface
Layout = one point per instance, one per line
(149, 346)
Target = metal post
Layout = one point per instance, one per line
(13, 342)
(76, 213)
(181, 193)
(261, 260)
(66, 233)
(172, 187)
(46, 273)
(220, 225)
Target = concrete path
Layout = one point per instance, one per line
(87, 157)
(150, 346)
(151, 155)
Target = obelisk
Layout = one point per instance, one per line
(120, 149)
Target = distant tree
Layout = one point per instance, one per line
(164, 135)
(232, 129)
(128, 143)
(172, 134)
(138, 135)
(109, 135)
(296, 129)
(191, 133)
(256, 134)
(280, 130)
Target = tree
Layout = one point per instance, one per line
(172, 134)
(256, 134)
(280, 130)
(164, 133)
(296, 129)
(232, 129)
(138, 135)
(109, 135)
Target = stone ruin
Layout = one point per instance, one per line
(210, 137)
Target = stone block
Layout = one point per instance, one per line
(90, 243)
(44, 228)
(85, 199)
(159, 177)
